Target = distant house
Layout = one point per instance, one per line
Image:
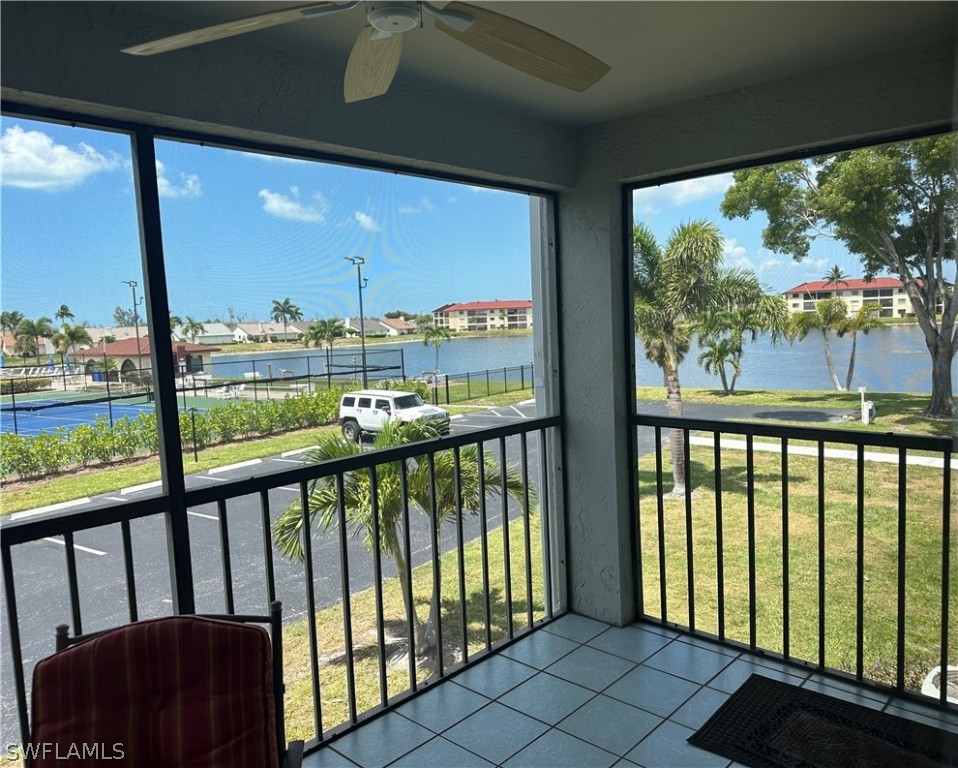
(397, 326)
(269, 331)
(189, 357)
(240, 336)
(213, 333)
(887, 292)
(485, 315)
(115, 333)
(373, 327)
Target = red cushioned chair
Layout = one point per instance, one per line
(176, 692)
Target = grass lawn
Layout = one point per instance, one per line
(366, 650)
(922, 572)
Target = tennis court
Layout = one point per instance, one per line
(33, 417)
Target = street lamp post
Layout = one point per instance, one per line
(361, 283)
(136, 323)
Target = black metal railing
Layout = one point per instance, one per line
(462, 535)
(830, 548)
(449, 388)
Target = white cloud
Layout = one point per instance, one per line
(289, 206)
(650, 200)
(189, 188)
(366, 221)
(424, 207)
(735, 254)
(32, 160)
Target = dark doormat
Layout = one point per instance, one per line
(770, 724)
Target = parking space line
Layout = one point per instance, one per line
(239, 465)
(142, 487)
(62, 543)
(286, 461)
(290, 488)
(200, 514)
(50, 508)
(286, 454)
(210, 477)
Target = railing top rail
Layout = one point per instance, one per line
(69, 521)
(883, 440)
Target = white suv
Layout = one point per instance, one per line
(368, 409)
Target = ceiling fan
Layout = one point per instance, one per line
(375, 55)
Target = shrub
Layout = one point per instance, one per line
(419, 387)
(20, 386)
(18, 455)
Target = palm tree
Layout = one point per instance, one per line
(435, 335)
(71, 335)
(835, 276)
(8, 322)
(193, 328)
(283, 312)
(717, 352)
(829, 315)
(29, 332)
(862, 321)
(724, 334)
(324, 502)
(323, 332)
(672, 285)
(175, 322)
(63, 314)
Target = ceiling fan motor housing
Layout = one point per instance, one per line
(394, 16)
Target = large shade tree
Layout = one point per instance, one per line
(894, 206)
(323, 502)
(675, 283)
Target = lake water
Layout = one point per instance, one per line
(889, 359)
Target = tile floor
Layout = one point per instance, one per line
(580, 693)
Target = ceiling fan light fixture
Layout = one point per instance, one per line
(394, 17)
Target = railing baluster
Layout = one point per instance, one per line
(410, 606)
(347, 601)
(311, 609)
(127, 540)
(719, 535)
(546, 522)
(902, 507)
(484, 541)
(73, 583)
(946, 561)
(460, 556)
(436, 601)
(660, 510)
(506, 550)
(786, 634)
(378, 586)
(689, 540)
(750, 499)
(860, 563)
(267, 547)
(226, 559)
(524, 450)
(13, 628)
(821, 554)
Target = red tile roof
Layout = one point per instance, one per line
(127, 348)
(478, 306)
(852, 284)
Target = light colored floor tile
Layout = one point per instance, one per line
(629, 643)
(496, 732)
(846, 693)
(735, 674)
(683, 660)
(382, 740)
(443, 706)
(327, 758)
(709, 645)
(440, 753)
(540, 649)
(666, 747)
(547, 698)
(652, 690)
(581, 629)
(590, 668)
(699, 708)
(494, 676)
(560, 750)
(610, 724)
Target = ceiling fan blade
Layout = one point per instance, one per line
(231, 28)
(526, 48)
(372, 65)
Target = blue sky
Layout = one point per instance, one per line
(242, 229)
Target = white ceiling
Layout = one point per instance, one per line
(660, 53)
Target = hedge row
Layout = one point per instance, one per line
(49, 453)
(19, 386)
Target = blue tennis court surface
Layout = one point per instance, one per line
(40, 416)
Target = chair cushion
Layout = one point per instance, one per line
(179, 691)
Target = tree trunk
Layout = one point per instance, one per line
(851, 362)
(676, 436)
(724, 379)
(406, 588)
(942, 404)
(731, 388)
(829, 363)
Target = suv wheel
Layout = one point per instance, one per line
(351, 431)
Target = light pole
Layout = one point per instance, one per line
(136, 323)
(361, 283)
